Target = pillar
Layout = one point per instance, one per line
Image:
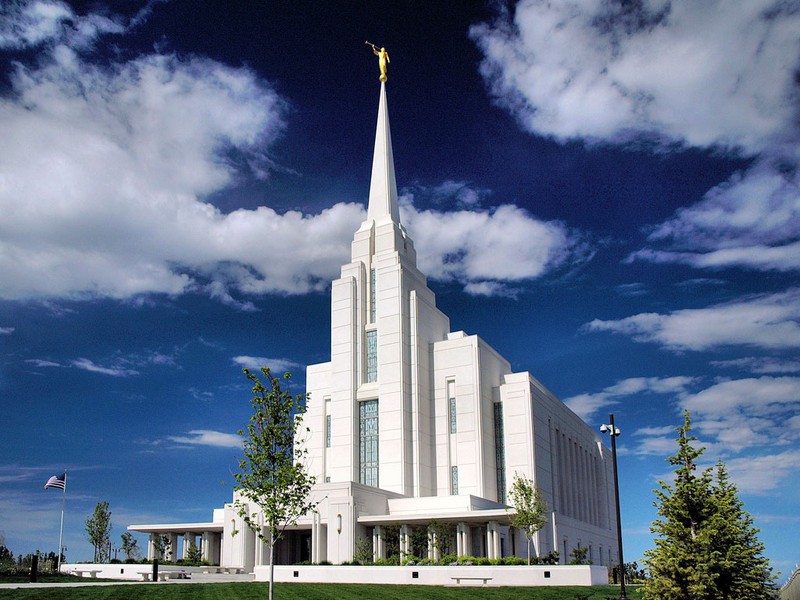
(405, 542)
(189, 542)
(152, 541)
(172, 548)
(210, 547)
(463, 540)
(378, 543)
(492, 540)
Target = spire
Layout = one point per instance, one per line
(383, 187)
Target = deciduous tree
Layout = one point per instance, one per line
(530, 509)
(272, 475)
(98, 529)
(130, 545)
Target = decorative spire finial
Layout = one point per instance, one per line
(383, 59)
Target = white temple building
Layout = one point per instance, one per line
(412, 423)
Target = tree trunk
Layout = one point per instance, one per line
(271, 564)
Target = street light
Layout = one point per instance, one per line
(613, 431)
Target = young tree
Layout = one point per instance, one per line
(98, 528)
(705, 546)
(272, 475)
(530, 509)
(130, 546)
(163, 547)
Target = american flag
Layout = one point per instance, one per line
(57, 481)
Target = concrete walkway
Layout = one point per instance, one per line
(85, 581)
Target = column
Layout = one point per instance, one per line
(172, 547)
(378, 543)
(188, 543)
(210, 546)
(492, 540)
(405, 551)
(152, 541)
(463, 540)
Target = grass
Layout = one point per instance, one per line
(311, 591)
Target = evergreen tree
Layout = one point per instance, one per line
(738, 563)
(706, 546)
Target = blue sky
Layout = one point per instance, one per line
(607, 192)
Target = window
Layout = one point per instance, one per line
(327, 431)
(454, 481)
(368, 442)
(372, 356)
(372, 295)
(451, 399)
(499, 452)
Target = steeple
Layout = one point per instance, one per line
(383, 205)
(381, 232)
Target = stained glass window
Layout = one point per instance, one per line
(368, 442)
(451, 397)
(499, 452)
(327, 431)
(372, 295)
(372, 356)
(454, 480)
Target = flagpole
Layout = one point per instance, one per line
(61, 529)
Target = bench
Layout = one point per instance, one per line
(212, 569)
(92, 572)
(484, 580)
(164, 575)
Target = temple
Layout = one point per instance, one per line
(417, 432)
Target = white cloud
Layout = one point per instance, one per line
(504, 244)
(671, 71)
(585, 405)
(768, 321)
(760, 475)
(37, 362)
(278, 366)
(760, 364)
(694, 72)
(105, 174)
(6, 330)
(205, 437)
(750, 221)
(747, 412)
(115, 371)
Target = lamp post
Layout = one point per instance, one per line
(613, 431)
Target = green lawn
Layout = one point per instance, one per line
(310, 591)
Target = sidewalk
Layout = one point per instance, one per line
(85, 581)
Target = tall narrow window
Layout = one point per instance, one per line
(368, 442)
(451, 400)
(499, 452)
(454, 481)
(327, 431)
(372, 295)
(372, 356)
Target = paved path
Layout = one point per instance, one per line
(196, 578)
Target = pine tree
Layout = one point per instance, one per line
(741, 571)
(706, 546)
